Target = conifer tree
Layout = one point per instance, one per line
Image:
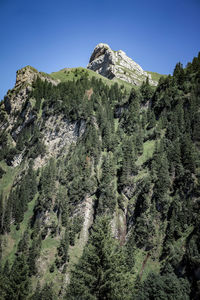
(101, 272)
(1, 214)
(163, 287)
(162, 179)
(146, 91)
(7, 214)
(107, 191)
(5, 286)
(47, 293)
(19, 280)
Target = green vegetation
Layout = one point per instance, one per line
(114, 213)
(156, 76)
(101, 271)
(148, 150)
(76, 73)
(7, 178)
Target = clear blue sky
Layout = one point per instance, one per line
(51, 35)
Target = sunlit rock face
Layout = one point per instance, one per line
(111, 64)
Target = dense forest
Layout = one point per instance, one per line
(115, 213)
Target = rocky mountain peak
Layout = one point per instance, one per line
(99, 50)
(111, 64)
(16, 98)
(28, 74)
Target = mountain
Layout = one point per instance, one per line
(116, 64)
(99, 186)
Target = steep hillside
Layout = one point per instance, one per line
(99, 187)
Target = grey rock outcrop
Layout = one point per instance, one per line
(57, 132)
(111, 64)
(28, 74)
(16, 98)
(60, 133)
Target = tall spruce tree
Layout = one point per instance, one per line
(19, 280)
(101, 272)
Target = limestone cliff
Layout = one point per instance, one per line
(117, 64)
(16, 98)
(56, 131)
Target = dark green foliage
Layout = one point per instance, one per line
(179, 74)
(128, 167)
(106, 195)
(47, 179)
(19, 280)
(62, 206)
(92, 143)
(101, 272)
(137, 159)
(17, 202)
(46, 293)
(23, 194)
(7, 215)
(151, 119)
(46, 190)
(162, 184)
(146, 91)
(166, 287)
(1, 213)
(23, 244)
(5, 286)
(34, 252)
(10, 154)
(75, 227)
(131, 118)
(77, 175)
(63, 249)
(4, 144)
(188, 153)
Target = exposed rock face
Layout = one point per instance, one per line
(110, 64)
(15, 98)
(28, 74)
(59, 133)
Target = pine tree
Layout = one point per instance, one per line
(146, 91)
(131, 117)
(162, 179)
(1, 213)
(47, 293)
(34, 252)
(5, 286)
(31, 182)
(63, 249)
(101, 272)
(107, 191)
(164, 287)
(23, 244)
(7, 214)
(128, 162)
(151, 119)
(179, 73)
(19, 279)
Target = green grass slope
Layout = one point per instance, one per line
(156, 76)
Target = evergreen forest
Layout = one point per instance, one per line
(100, 188)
